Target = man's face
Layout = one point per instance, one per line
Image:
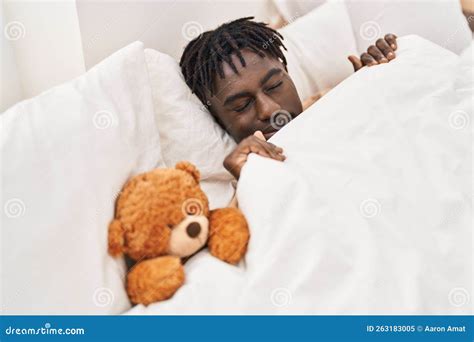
(261, 96)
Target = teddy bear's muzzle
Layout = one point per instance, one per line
(189, 236)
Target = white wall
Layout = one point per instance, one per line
(10, 87)
(159, 24)
(58, 40)
(48, 50)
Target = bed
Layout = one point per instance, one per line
(370, 214)
(372, 211)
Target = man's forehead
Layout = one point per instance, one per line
(253, 62)
(255, 68)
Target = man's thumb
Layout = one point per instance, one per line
(259, 135)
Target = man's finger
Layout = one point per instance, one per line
(278, 155)
(367, 59)
(383, 46)
(259, 135)
(356, 63)
(391, 40)
(260, 150)
(274, 154)
(278, 149)
(377, 54)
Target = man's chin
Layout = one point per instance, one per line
(269, 135)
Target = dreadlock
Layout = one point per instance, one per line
(203, 57)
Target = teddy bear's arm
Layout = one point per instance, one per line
(228, 234)
(155, 279)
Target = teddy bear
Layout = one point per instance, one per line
(163, 217)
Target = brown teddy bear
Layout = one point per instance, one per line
(163, 216)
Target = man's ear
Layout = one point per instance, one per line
(116, 240)
(189, 168)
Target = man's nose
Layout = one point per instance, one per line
(266, 106)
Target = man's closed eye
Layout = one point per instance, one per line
(275, 86)
(244, 107)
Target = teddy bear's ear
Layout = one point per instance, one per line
(115, 238)
(189, 168)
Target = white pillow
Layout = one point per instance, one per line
(440, 21)
(292, 9)
(318, 45)
(187, 129)
(65, 155)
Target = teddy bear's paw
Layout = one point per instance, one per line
(228, 235)
(155, 279)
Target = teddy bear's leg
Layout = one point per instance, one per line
(228, 234)
(155, 279)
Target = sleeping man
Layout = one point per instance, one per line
(239, 72)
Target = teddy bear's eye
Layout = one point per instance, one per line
(192, 207)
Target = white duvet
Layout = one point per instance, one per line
(371, 213)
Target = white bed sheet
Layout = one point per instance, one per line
(371, 213)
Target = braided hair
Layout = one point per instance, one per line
(203, 57)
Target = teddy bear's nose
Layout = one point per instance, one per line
(193, 229)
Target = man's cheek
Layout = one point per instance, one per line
(244, 130)
(294, 103)
(234, 129)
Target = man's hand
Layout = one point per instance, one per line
(253, 144)
(382, 52)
